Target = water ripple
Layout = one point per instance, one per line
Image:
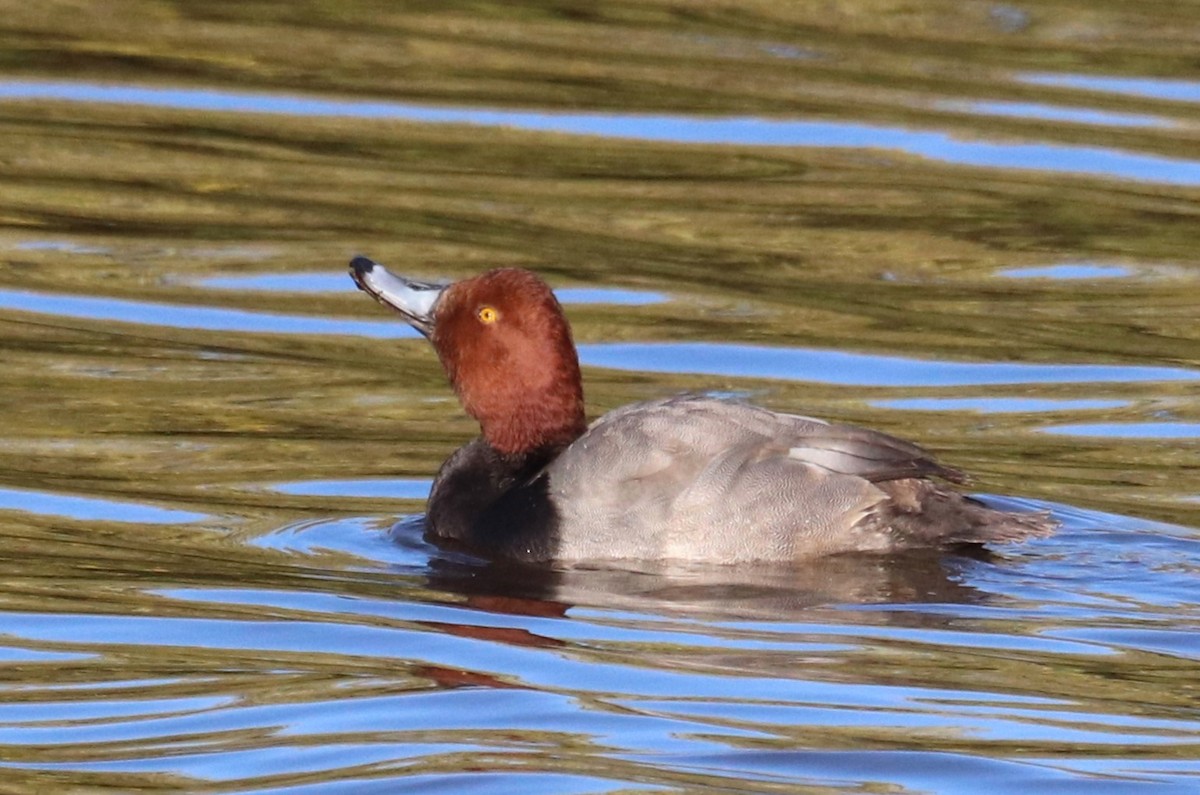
(95, 509)
(709, 358)
(740, 130)
(1150, 87)
(1038, 110)
(855, 369)
(193, 317)
(327, 282)
(1000, 405)
(1130, 430)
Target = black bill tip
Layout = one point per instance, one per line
(360, 268)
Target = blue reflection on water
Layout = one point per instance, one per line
(91, 509)
(1071, 270)
(1154, 88)
(740, 130)
(329, 282)
(608, 295)
(1130, 430)
(723, 359)
(16, 655)
(999, 405)
(853, 369)
(373, 488)
(194, 317)
(219, 319)
(1038, 110)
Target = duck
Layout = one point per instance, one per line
(691, 477)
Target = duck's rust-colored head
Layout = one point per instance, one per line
(506, 348)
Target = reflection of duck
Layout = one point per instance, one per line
(707, 591)
(686, 477)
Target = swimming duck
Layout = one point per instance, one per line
(685, 477)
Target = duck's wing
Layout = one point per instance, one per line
(868, 454)
(702, 479)
(689, 425)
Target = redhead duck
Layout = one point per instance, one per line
(680, 478)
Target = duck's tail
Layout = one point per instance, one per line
(922, 513)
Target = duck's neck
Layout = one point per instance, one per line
(534, 426)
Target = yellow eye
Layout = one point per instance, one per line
(487, 315)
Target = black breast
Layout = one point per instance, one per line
(493, 504)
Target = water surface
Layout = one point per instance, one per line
(970, 225)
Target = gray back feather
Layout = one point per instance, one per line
(700, 478)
